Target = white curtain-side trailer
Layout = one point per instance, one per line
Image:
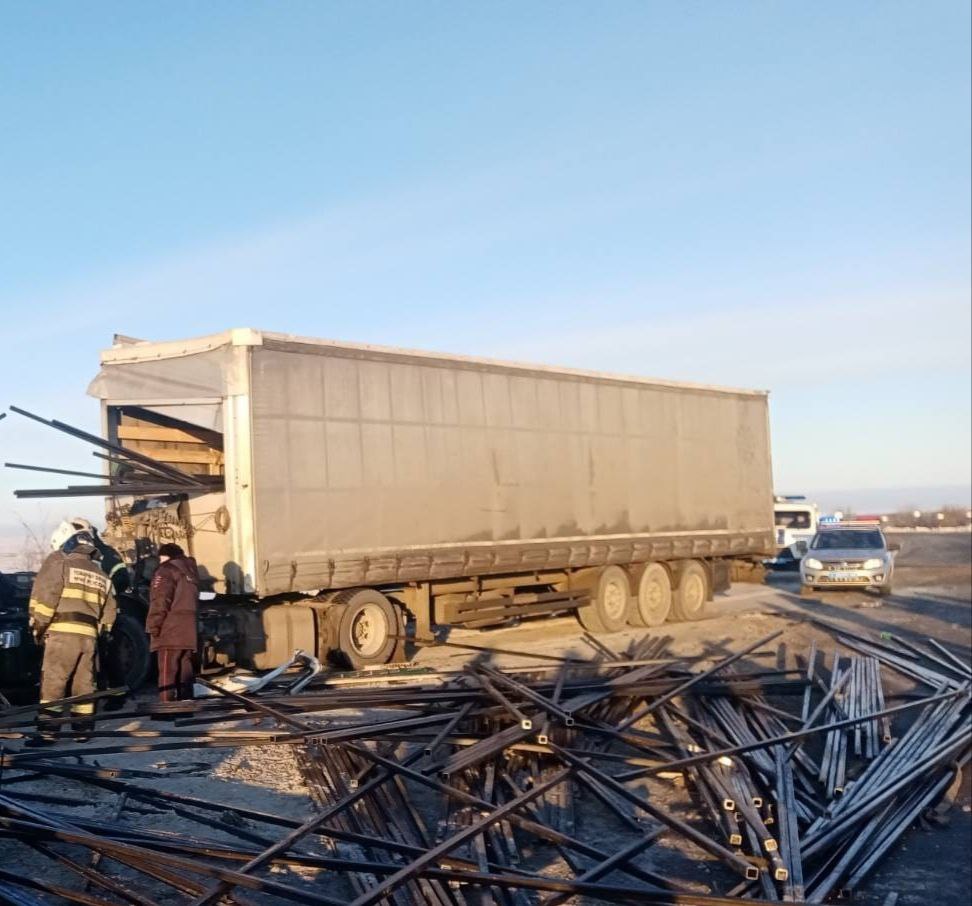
(366, 490)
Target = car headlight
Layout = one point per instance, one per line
(812, 563)
(873, 563)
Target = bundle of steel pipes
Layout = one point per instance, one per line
(130, 473)
(507, 779)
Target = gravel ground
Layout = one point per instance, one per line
(933, 598)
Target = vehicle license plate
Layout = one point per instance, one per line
(840, 576)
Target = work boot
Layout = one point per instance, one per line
(84, 727)
(46, 735)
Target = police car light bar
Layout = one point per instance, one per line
(866, 522)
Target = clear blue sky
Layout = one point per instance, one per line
(765, 194)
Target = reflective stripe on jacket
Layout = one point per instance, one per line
(71, 594)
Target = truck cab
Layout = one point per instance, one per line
(795, 522)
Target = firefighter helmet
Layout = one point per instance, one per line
(64, 533)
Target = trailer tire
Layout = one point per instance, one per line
(692, 592)
(653, 601)
(368, 626)
(128, 658)
(610, 602)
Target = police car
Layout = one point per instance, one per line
(848, 554)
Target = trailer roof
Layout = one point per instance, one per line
(128, 350)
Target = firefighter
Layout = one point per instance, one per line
(171, 621)
(71, 604)
(112, 563)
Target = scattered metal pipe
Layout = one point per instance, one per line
(793, 824)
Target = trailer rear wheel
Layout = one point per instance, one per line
(654, 599)
(610, 602)
(368, 627)
(692, 592)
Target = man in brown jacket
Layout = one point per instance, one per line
(171, 621)
(71, 604)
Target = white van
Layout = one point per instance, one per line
(796, 522)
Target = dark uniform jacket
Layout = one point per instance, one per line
(171, 620)
(71, 594)
(113, 565)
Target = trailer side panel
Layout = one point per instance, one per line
(372, 468)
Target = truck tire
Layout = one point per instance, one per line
(128, 657)
(691, 593)
(610, 602)
(653, 601)
(368, 627)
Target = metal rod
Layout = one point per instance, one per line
(147, 461)
(786, 737)
(48, 469)
(679, 690)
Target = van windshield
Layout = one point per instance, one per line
(848, 540)
(794, 519)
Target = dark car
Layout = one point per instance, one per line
(19, 656)
(125, 661)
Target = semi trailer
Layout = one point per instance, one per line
(345, 497)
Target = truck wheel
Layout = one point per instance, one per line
(368, 627)
(654, 599)
(610, 602)
(128, 656)
(692, 592)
